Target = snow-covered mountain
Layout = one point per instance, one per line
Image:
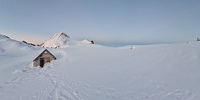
(83, 42)
(58, 40)
(93, 72)
(61, 40)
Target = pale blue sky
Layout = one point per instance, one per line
(108, 21)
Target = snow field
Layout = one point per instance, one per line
(93, 72)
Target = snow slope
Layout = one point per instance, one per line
(94, 72)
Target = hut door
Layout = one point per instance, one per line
(41, 62)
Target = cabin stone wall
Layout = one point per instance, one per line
(47, 57)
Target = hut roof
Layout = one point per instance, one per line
(42, 53)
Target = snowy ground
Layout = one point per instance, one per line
(93, 72)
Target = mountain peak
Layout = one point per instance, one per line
(58, 40)
(62, 33)
(59, 35)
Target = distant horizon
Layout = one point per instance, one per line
(104, 43)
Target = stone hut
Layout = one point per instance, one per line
(43, 58)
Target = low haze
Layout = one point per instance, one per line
(104, 21)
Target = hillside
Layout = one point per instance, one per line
(94, 72)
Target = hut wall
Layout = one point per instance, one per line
(37, 62)
(47, 58)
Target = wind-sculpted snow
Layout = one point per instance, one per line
(93, 72)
